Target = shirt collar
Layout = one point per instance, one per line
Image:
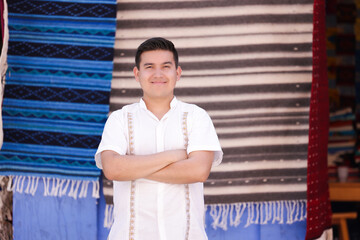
(173, 103)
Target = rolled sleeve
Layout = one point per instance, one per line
(203, 137)
(113, 137)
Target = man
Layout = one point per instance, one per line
(158, 152)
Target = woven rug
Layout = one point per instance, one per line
(318, 203)
(60, 62)
(249, 64)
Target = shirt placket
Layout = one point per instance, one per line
(160, 128)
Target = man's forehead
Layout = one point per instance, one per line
(157, 56)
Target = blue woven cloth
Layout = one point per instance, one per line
(57, 218)
(57, 88)
(56, 100)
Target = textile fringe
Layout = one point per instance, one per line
(224, 215)
(53, 187)
(109, 216)
(289, 212)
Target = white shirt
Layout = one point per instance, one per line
(160, 210)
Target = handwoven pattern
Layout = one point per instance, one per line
(318, 203)
(57, 88)
(249, 64)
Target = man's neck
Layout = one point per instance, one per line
(159, 107)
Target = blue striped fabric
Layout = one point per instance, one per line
(57, 88)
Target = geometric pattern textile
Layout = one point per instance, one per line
(249, 65)
(56, 99)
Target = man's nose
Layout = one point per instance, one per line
(158, 72)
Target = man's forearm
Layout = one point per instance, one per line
(130, 167)
(194, 169)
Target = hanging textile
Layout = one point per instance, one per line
(57, 218)
(58, 83)
(249, 64)
(319, 209)
(56, 101)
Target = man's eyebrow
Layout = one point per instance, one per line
(164, 63)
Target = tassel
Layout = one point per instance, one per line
(27, 190)
(46, 186)
(250, 214)
(20, 184)
(281, 212)
(76, 189)
(63, 190)
(215, 214)
(55, 187)
(10, 186)
(34, 185)
(96, 189)
(275, 212)
(258, 209)
(267, 215)
(224, 216)
(73, 189)
(263, 216)
(109, 216)
(302, 217)
(239, 209)
(205, 210)
(71, 192)
(84, 188)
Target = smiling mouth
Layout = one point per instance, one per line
(158, 82)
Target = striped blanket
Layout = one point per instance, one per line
(249, 64)
(57, 93)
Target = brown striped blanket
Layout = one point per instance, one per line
(249, 64)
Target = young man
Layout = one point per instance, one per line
(158, 152)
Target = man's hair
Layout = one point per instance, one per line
(157, 43)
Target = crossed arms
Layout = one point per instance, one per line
(173, 166)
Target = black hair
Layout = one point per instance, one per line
(156, 43)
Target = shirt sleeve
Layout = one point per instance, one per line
(113, 137)
(203, 137)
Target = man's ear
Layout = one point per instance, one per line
(178, 73)
(136, 73)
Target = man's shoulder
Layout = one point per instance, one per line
(122, 112)
(127, 108)
(190, 107)
(193, 110)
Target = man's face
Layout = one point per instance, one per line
(157, 74)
